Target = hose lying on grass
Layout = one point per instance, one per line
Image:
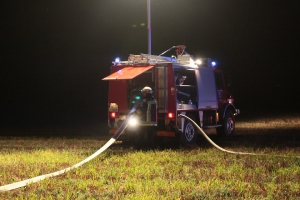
(220, 148)
(102, 149)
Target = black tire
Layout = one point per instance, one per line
(189, 133)
(228, 125)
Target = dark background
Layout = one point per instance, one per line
(55, 53)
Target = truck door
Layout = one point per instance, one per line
(221, 88)
(207, 98)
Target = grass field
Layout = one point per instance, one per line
(165, 172)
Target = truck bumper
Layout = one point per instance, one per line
(158, 133)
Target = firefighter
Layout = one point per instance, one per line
(145, 114)
(147, 97)
(147, 94)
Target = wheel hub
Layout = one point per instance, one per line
(230, 125)
(189, 132)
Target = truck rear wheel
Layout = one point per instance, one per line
(228, 126)
(190, 133)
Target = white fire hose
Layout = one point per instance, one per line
(220, 148)
(103, 148)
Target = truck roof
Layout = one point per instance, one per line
(185, 60)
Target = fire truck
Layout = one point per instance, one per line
(180, 84)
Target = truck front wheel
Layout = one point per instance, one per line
(189, 134)
(228, 125)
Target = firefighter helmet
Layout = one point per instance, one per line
(147, 90)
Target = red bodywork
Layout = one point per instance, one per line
(118, 82)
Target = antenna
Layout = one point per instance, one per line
(149, 25)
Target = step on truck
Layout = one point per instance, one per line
(174, 85)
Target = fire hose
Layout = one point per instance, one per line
(102, 149)
(220, 148)
(108, 144)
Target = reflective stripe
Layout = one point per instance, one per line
(165, 133)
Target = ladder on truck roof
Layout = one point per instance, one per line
(147, 59)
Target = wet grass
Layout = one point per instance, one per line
(165, 172)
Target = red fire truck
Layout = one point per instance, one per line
(180, 85)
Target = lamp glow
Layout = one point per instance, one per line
(198, 62)
(117, 60)
(132, 122)
(171, 115)
(113, 115)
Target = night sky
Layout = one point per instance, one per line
(55, 53)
